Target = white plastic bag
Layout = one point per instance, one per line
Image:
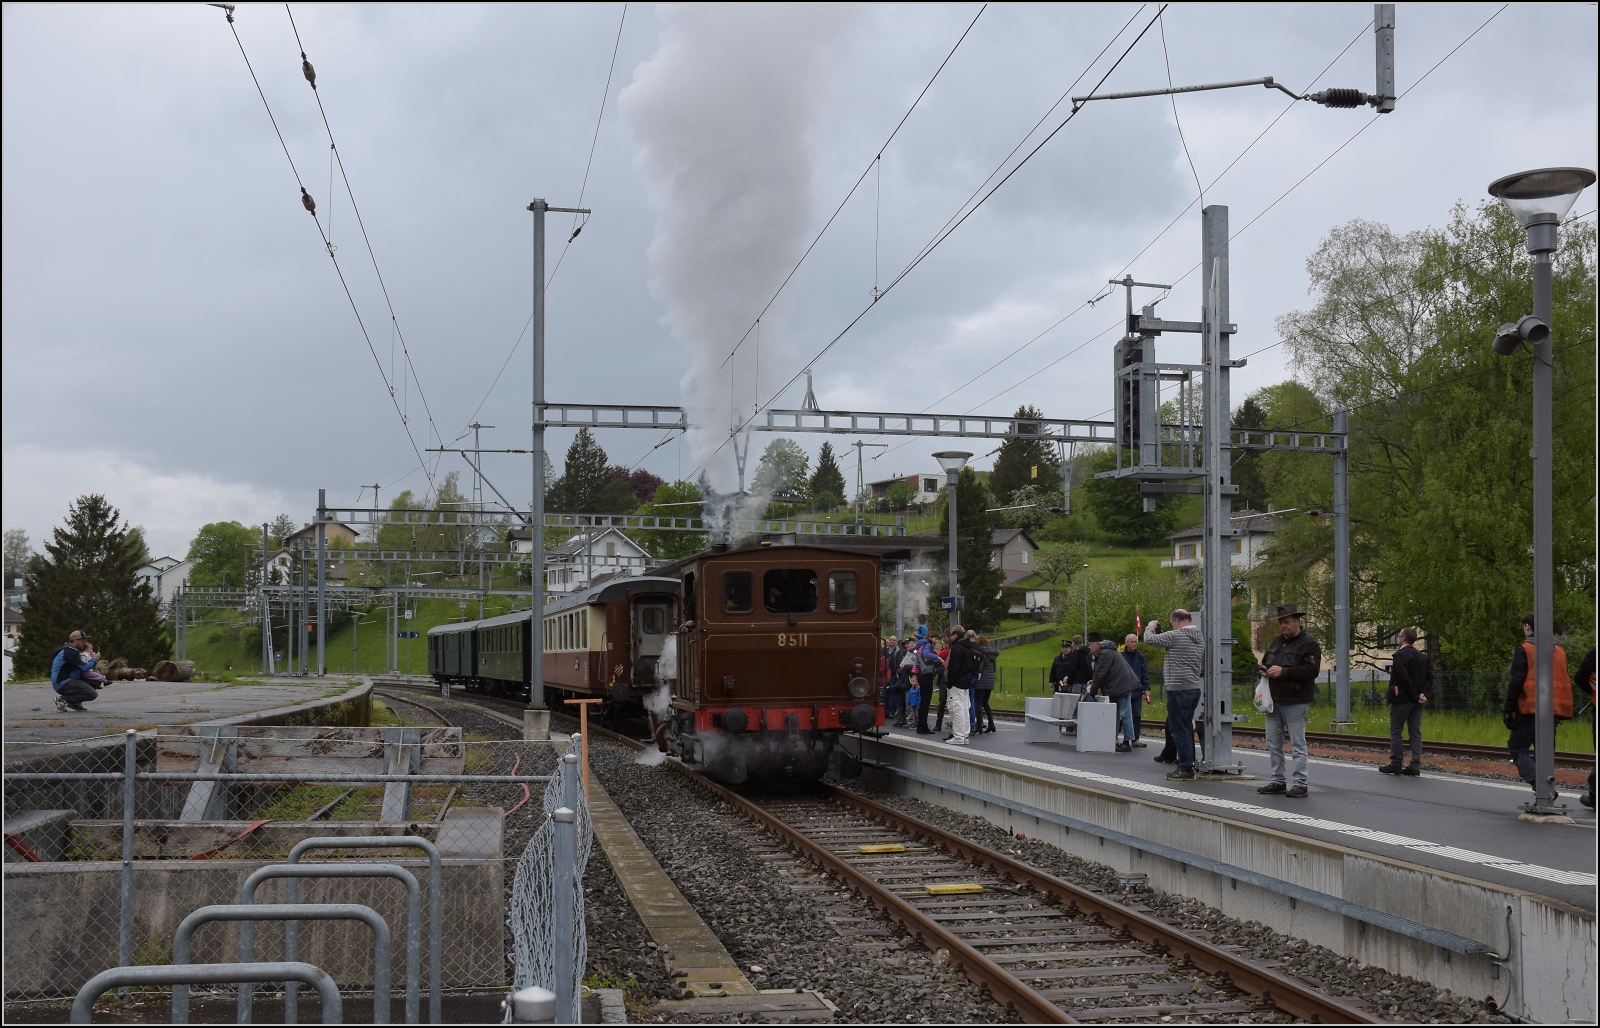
(1263, 696)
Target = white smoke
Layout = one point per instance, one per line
(724, 113)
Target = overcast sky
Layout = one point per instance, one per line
(176, 337)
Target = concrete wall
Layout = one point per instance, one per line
(1553, 946)
(61, 921)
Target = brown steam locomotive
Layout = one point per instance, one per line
(750, 660)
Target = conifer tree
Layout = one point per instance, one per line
(827, 480)
(87, 581)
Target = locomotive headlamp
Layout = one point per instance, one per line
(859, 687)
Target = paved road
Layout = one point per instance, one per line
(31, 716)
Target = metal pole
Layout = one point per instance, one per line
(899, 599)
(954, 584)
(130, 767)
(1341, 577)
(1086, 603)
(565, 913)
(1541, 244)
(322, 582)
(536, 721)
(266, 614)
(1217, 624)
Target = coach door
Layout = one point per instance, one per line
(651, 622)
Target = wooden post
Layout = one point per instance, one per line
(583, 735)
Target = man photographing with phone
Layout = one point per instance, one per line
(1291, 666)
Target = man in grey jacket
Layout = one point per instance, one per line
(1186, 653)
(1114, 679)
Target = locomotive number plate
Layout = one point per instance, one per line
(794, 639)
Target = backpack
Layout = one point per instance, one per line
(928, 662)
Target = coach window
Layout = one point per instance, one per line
(790, 590)
(736, 592)
(842, 591)
(652, 621)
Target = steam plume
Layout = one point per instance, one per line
(723, 114)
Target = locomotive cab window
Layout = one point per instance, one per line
(652, 621)
(842, 591)
(736, 592)
(789, 590)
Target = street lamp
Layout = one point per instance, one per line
(1539, 200)
(952, 461)
(1086, 602)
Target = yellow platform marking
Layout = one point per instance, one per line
(953, 888)
(882, 847)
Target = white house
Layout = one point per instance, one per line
(1245, 550)
(586, 557)
(166, 576)
(924, 488)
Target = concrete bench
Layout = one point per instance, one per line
(1047, 718)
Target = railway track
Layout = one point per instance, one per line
(1050, 950)
(1376, 743)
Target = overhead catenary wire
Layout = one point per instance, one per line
(1166, 57)
(854, 186)
(576, 226)
(311, 79)
(1296, 185)
(310, 206)
(939, 238)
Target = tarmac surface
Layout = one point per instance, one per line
(31, 717)
(1458, 824)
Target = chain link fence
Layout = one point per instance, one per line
(111, 843)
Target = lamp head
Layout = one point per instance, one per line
(1548, 191)
(1511, 337)
(952, 461)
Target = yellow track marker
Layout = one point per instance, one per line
(953, 888)
(882, 847)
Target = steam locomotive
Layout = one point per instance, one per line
(750, 660)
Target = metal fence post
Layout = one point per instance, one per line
(565, 913)
(130, 766)
(569, 780)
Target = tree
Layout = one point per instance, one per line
(1060, 563)
(1246, 463)
(18, 554)
(977, 573)
(899, 494)
(1440, 427)
(679, 500)
(281, 528)
(644, 484)
(88, 581)
(1119, 509)
(1031, 507)
(220, 554)
(828, 478)
(783, 472)
(1025, 461)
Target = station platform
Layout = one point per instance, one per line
(1432, 877)
(31, 718)
(1454, 823)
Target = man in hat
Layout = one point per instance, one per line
(1114, 679)
(1292, 663)
(71, 668)
(1061, 668)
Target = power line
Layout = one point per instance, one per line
(1167, 58)
(857, 185)
(311, 207)
(311, 79)
(576, 227)
(940, 237)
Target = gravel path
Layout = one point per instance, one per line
(786, 925)
(1391, 997)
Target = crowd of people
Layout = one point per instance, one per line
(959, 671)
